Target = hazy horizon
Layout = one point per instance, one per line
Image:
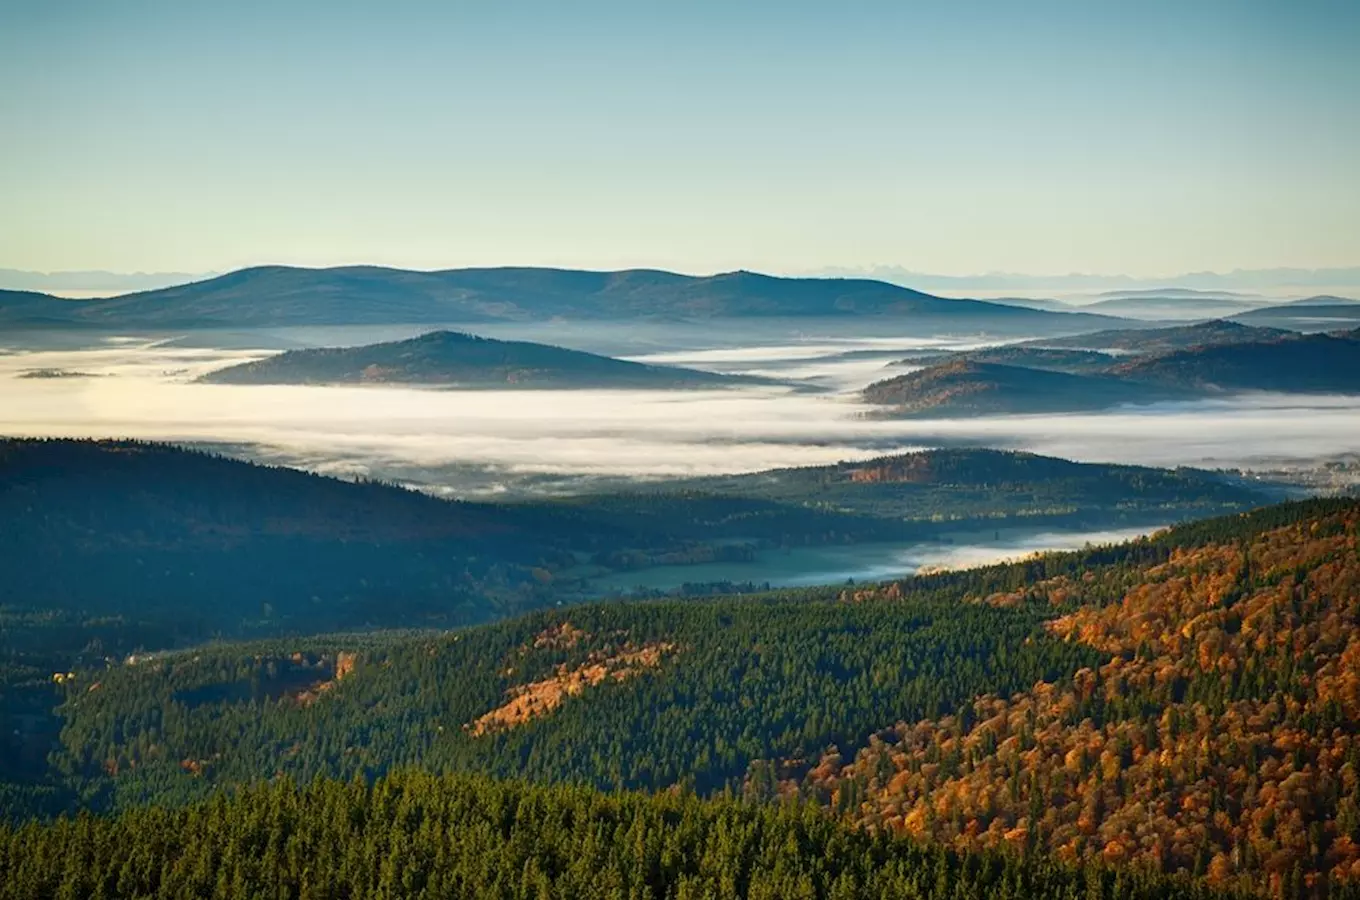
(1266, 283)
(1051, 137)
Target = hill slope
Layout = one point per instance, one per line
(1219, 357)
(1314, 363)
(173, 545)
(273, 296)
(1304, 316)
(986, 486)
(1216, 735)
(455, 359)
(1024, 355)
(165, 546)
(963, 388)
(410, 835)
(1161, 340)
(1183, 703)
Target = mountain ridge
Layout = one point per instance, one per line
(459, 359)
(282, 295)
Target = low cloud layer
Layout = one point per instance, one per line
(476, 442)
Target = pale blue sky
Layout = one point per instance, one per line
(1146, 138)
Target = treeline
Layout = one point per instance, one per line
(777, 676)
(414, 835)
(744, 681)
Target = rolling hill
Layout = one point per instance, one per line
(964, 388)
(1304, 316)
(1313, 363)
(1030, 357)
(970, 384)
(273, 296)
(120, 533)
(455, 359)
(1183, 705)
(1161, 340)
(165, 545)
(984, 485)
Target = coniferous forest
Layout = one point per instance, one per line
(1173, 716)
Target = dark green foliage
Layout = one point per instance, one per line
(746, 680)
(774, 676)
(412, 835)
(183, 546)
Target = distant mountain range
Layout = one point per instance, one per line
(1306, 315)
(92, 282)
(274, 296)
(1182, 304)
(1165, 364)
(1168, 307)
(1177, 293)
(1234, 281)
(466, 361)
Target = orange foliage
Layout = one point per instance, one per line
(1241, 763)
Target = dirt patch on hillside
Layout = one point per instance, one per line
(540, 698)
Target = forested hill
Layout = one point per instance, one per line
(273, 296)
(975, 483)
(466, 361)
(178, 545)
(966, 388)
(410, 835)
(1042, 380)
(1312, 363)
(1163, 340)
(164, 545)
(1184, 703)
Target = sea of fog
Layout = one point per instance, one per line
(516, 443)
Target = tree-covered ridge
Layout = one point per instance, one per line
(192, 546)
(1218, 736)
(274, 296)
(965, 387)
(1312, 363)
(1162, 340)
(1233, 359)
(1051, 358)
(756, 690)
(739, 681)
(762, 678)
(415, 835)
(116, 546)
(456, 359)
(972, 467)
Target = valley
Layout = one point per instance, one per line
(679, 451)
(667, 558)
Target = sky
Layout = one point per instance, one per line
(973, 136)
